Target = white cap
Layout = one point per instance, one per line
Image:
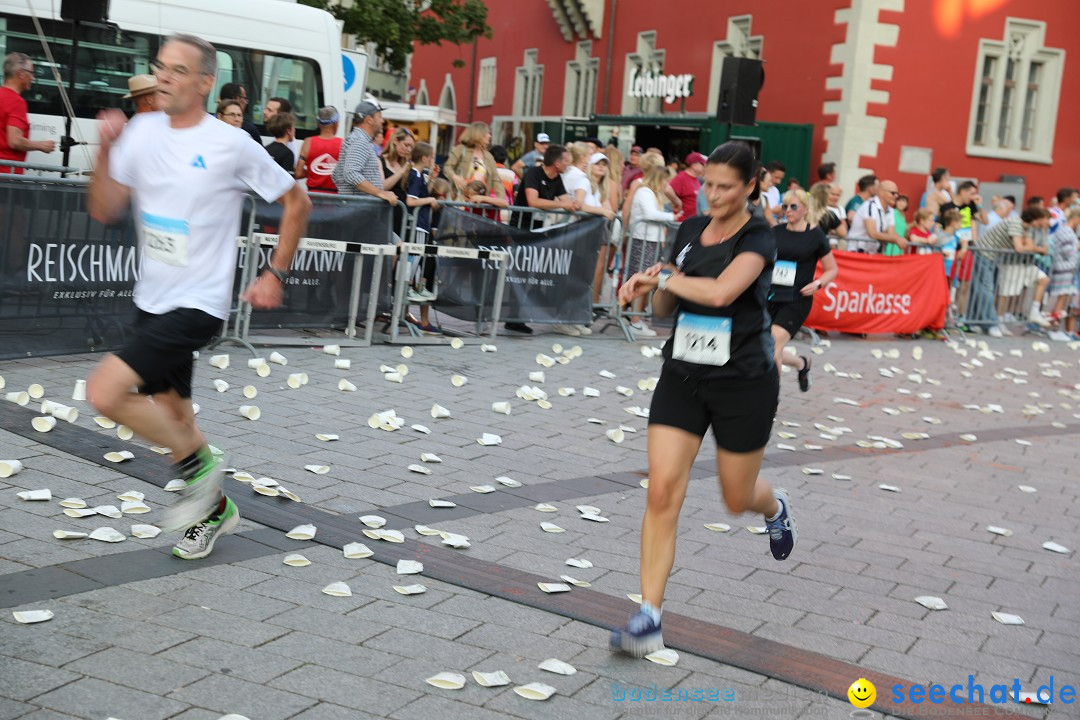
(598, 157)
(543, 138)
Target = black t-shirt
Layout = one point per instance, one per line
(400, 189)
(802, 248)
(547, 188)
(249, 127)
(283, 156)
(967, 212)
(751, 345)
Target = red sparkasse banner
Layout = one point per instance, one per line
(876, 294)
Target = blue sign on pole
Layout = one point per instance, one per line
(350, 72)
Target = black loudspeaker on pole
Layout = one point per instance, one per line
(85, 10)
(741, 80)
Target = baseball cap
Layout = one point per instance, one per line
(636, 149)
(598, 157)
(543, 138)
(595, 141)
(366, 108)
(696, 157)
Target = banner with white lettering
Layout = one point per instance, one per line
(549, 278)
(876, 294)
(67, 282)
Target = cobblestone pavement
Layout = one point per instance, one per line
(138, 635)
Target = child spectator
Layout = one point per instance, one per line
(476, 192)
(953, 243)
(420, 203)
(282, 126)
(922, 234)
(900, 224)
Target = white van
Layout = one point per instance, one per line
(272, 48)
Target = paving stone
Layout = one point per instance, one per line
(371, 696)
(93, 698)
(211, 623)
(232, 695)
(356, 659)
(26, 680)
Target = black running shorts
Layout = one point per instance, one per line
(160, 351)
(791, 315)
(740, 412)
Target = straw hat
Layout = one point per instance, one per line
(141, 85)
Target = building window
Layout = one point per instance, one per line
(579, 99)
(738, 43)
(529, 85)
(485, 91)
(422, 97)
(1015, 96)
(646, 59)
(448, 97)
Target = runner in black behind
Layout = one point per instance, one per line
(798, 249)
(718, 371)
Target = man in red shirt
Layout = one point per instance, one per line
(14, 125)
(687, 184)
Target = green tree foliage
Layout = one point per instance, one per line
(395, 25)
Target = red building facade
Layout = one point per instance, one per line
(896, 87)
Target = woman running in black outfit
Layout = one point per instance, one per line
(798, 249)
(718, 371)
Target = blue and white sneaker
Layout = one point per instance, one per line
(640, 637)
(783, 533)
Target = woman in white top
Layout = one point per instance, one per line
(647, 232)
(581, 188)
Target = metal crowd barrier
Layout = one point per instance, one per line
(238, 327)
(41, 168)
(1001, 288)
(529, 219)
(652, 239)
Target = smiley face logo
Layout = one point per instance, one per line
(862, 693)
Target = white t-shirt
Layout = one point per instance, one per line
(773, 196)
(187, 189)
(871, 211)
(574, 179)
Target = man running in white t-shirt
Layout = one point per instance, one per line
(185, 174)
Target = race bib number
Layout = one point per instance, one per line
(702, 339)
(784, 273)
(964, 234)
(165, 239)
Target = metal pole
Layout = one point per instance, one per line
(66, 141)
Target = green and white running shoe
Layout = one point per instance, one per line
(199, 539)
(200, 498)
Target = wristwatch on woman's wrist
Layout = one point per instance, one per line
(662, 278)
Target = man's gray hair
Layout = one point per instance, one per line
(206, 51)
(14, 62)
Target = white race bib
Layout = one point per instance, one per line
(964, 234)
(702, 339)
(784, 273)
(165, 239)
(949, 252)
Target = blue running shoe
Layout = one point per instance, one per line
(783, 533)
(640, 637)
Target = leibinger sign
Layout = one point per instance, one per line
(656, 85)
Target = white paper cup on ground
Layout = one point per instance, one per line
(45, 494)
(332, 349)
(457, 343)
(220, 385)
(447, 681)
(615, 435)
(18, 397)
(145, 531)
(276, 357)
(535, 691)
(124, 432)
(297, 380)
(79, 393)
(64, 412)
(338, 589)
(10, 467)
(406, 352)
(438, 411)
(501, 407)
(342, 364)
(256, 362)
(118, 457)
(302, 532)
(458, 380)
(44, 423)
(251, 412)
(394, 377)
(29, 617)
(263, 370)
(491, 679)
(345, 386)
(105, 422)
(221, 362)
(36, 391)
(250, 391)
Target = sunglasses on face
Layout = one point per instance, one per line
(792, 207)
